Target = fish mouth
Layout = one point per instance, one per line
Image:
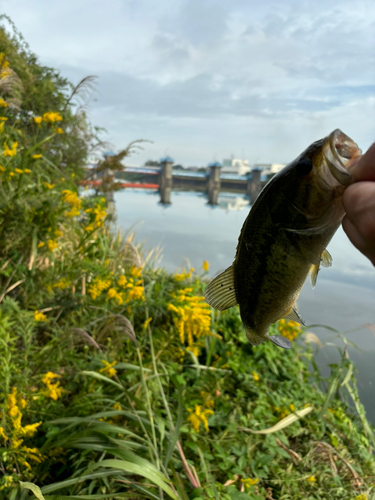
(339, 151)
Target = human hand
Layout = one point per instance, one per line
(359, 204)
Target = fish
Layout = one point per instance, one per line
(284, 238)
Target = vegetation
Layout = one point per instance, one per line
(117, 380)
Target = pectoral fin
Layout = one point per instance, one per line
(220, 293)
(325, 261)
(280, 341)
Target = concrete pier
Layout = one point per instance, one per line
(165, 180)
(254, 184)
(214, 183)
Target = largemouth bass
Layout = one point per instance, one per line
(284, 238)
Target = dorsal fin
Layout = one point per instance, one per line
(220, 293)
(293, 315)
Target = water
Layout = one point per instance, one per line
(190, 231)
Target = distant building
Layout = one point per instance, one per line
(269, 168)
(235, 166)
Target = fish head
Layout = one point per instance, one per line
(318, 177)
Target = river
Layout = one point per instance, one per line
(190, 231)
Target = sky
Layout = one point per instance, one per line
(207, 79)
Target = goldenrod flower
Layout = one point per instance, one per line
(184, 275)
(36, 157)
(41, 244)
(2, 434)
(48, 185)
(311, 479)
(38, 119)
(199, 416)
(54, 391)
(256, 376)
(206, 266)
(59, 130)
(108, 368)
(18, 171)
(113, 294)
(146, 323)
(3, 118)
(27, 171)
(10, 152)
(3, 104)
(52, 117)
(249, 481)
(52, 245)
(39, 316)
(122, 280)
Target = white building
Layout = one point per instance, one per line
(270, 168)
(235, 166)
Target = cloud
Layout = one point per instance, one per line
(216, 73)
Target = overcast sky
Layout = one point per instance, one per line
(207, 79)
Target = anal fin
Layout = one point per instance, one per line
(220, 293)
(293, 315)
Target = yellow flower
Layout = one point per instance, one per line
(48, 185)
(3, 104)
(11, 174)
(58, 233)
(27, 171)
(10, 152)
(3, 118)
(361, 497)
(184, 275)
(59, 130)
(41, 244)
(122, 280)
(113, 294)
(38, 119)
(256, 376)
(36, 157)
(62, 284)
(135, 271)
(249, 481)
(54, 391)
(18, 171)
(108, 368)
(2, 169)
(146, 323)
(199, 416)
(311, 479)
(2, 434)
(292, 407)
(51, 244)
(52, 117)
(39, 316)
(1, 127)
(117, 406)
(206, 266)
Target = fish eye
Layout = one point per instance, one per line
(304, 166)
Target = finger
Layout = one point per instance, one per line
(363, 169)
(358, 240)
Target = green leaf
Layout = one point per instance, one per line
(146, 470)
(34, 488)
